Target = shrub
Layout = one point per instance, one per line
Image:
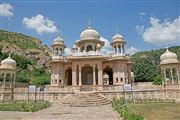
(120, 106)
(157, 80)
(24, 106)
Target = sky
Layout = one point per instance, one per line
(144, 24)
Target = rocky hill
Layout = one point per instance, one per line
(23, 45)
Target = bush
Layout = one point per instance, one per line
(22, 77)
(24, 106)
(120, 106)
(157, 80)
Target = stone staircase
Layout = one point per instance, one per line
(85, 100)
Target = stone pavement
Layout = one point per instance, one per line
(59, 112)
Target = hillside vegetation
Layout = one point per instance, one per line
(29, 53)
(146, 63)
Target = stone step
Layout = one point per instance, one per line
(84, 100)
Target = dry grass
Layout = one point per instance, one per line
(157, 111)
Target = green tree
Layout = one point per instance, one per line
(22, 77)
(157, 80)
(145, 69)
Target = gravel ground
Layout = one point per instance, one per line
(60, 112)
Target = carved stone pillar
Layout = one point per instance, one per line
(172, 78)
(178, 77)
(164, 77)
(74, 82)
(94, 75)
(121, 50)
(4, 80)
(80, 82)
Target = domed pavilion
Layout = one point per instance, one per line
(170, 67)
(8, 72)
(7, 78)
(88, 66)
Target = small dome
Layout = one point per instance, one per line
(117, 36)
(74, 46)
(89, 33)
(58, 40)
(8, 62)
(168, 57)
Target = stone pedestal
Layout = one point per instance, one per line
(7, 94)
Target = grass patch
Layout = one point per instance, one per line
(24, 106)
(157, 111)
(120, 106)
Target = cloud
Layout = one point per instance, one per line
(142, 13)
(6, 10)
(140, 29)
(40, 24)
(132, 50)
(67, 51)
(158, 33)
(107, 47)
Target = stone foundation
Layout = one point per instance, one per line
(140, 92)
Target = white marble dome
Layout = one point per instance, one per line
(8, 63)
(89, 33)
(58, 40)
(168, 57)
(117, 37)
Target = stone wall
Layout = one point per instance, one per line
(141, 91)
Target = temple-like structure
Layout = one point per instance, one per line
(88, 65)
(170, 68)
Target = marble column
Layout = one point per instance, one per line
(172, 78)
(80, 82)
(100, 75)
(178, 77)
(10, 81)
(164, 77)
(4, 80)
(121, 50)
(94, 75)
(74, 82)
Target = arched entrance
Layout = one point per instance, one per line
(87, 75)
(107, 70)
(89, 48)
(68, 76)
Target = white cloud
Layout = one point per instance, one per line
(107, 47)
(158, 33)
(40, 24)
(132, 50)
(140, 29)
(142, 13)
(6, 10)
(67, 51)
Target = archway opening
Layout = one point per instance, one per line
(89, 48)
(87, 75)
(168, 76)
(68, 76)
(107, 70)
(174, 75)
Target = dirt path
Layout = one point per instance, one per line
(59, 112)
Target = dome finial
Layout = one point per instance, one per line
(167, 48)
(89, 24)
(9, 55)
(58, 33)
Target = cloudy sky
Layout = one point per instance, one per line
(144, 24)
